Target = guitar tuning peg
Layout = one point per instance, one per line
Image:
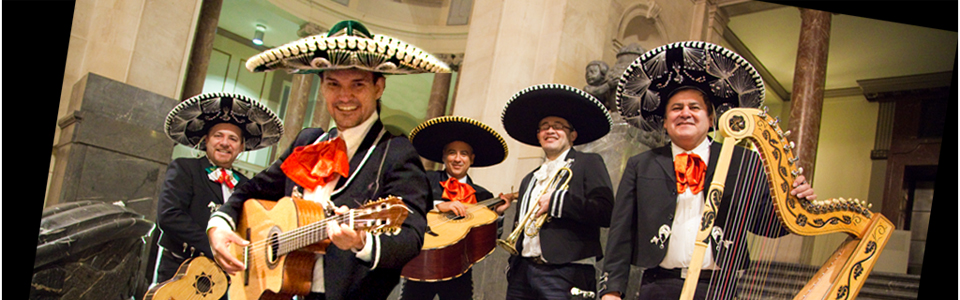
(787, 133)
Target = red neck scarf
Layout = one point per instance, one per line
(315, 165)
(454, 190)
(690, 171)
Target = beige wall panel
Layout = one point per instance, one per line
(163, 46)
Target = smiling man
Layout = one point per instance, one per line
(343, 168)
(221, 126)
(460, 143)
(560, 255)
(658, 210)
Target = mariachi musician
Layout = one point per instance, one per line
(459, 143)
(658, 211)
(560, 254)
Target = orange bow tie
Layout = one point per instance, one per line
(690, 172)
(316, 165)
(454, 190)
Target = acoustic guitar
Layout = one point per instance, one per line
(197, 278)
(453, 244)
(286, 236)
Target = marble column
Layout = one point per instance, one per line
(202, 46)
(806, 103)
(296, 110)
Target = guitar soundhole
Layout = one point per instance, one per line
(203, 284)
(273, 248)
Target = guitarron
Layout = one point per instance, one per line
(285, 237)
(844, 273)
(198, 278)
(452, 244)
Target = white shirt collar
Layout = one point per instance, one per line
(703, 150)
(354, 136)
(550, 166)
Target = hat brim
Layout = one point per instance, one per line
(431, 136)
(188, 122)
(318, 53)
(523, 112)
(728, 80)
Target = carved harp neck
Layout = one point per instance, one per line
(800, 216)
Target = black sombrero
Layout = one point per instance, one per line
(726, 77)
(431, 136)
(190, 120)
(523, 112)
(347, 45)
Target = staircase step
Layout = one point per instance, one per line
(784, 281)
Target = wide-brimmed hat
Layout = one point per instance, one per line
(347, 45)
(523, 112)
(431, 136)
(728, 80)
(188, 122)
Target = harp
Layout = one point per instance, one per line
(844, 273)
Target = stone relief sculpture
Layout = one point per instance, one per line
(598, 84)
(624, 139)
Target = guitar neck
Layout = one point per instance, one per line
(304, 236)
(490, 203)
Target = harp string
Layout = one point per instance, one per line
(747, 214)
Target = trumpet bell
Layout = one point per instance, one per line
(506, 245)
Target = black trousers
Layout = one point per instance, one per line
(529, 279)
(659, 283)
(460, 288)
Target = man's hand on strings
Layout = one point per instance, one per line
(453, 206)
(220, 240)
(343, 236)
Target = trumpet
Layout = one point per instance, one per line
(563, 173)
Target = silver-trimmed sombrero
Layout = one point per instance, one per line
(431, 136)
(728, 79)
(523, 112)
(347, 45)
(188, 122)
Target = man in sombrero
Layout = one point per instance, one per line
(683, 88)
(560, 255)
(221, 125)
(345, 167)
(460, 143)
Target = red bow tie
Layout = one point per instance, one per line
(316, 165)
(690, 172)
(221, 175)
(454, 190)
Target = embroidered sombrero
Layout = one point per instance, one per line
(347, 45)
(190, 120)
(431, 136)
(523, 112)
(726, 77)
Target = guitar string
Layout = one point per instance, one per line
(313, 229)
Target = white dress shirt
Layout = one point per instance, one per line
(686, 221)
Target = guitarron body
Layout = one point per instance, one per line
(198, 278)
(453, 244)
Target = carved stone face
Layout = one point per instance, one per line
(594, 75)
